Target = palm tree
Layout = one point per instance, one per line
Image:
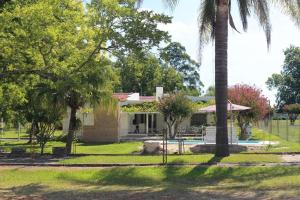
(214, 17)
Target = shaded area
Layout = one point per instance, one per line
(153, 183)
(165, 194)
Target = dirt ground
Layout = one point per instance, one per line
(291, 158)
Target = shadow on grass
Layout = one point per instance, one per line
(183, 177)
(28, 189)
(36, 191)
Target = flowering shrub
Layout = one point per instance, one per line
(250, 96)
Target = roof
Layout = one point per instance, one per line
(147, 98)
(121, 96)
(200, 99)
(230, 107)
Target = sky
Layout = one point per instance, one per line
(249, 60)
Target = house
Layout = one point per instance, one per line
(113, 124)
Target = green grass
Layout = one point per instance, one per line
(204, 158)
(283, 129)
(88, 148)
(115, 148)
(14, 134)
(282, 146)
(151, 183)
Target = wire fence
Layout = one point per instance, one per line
(282, 128)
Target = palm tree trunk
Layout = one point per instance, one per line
(221, 83)
(72, 127)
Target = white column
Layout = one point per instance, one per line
(147, 123)
(152, 122)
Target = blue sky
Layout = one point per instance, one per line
(249, 60)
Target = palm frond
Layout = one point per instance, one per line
(244, 10)
(206, 22)
(231, 21)
(262, 11)
(171, 3)
(291, 8)
(168, 3)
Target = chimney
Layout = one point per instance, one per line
(159, 93)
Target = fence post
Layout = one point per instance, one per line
(271, 125)
(287, 130)
(278, 127)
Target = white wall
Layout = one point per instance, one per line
(86, 115)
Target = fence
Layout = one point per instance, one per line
(282, 128)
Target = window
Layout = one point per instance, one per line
(139, 119)
(198, 119)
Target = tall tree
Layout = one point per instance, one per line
(175, 56)
(69, 45)
(139, 74)
(287, 82)
(214, 18)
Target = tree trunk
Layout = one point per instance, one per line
(33, 130)
(30, 134)
(241, 122)
(221, 47)
(42, 148)
(72, 126)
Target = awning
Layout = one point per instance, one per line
(230, 107)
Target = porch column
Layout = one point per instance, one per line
(147, 123)
(152, 120)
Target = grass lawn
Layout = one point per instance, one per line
(282, 146)
(151, 183)
(204, 158)
(88, 148)
(14, 134)
(131, 147)
(283, 129)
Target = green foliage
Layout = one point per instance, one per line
(292, 108)
(175, 56)
(293, 111)
(144, 107)
(211, 90)
(139, 74)
(288, 81)
(199, 105)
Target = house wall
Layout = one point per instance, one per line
(105, 128)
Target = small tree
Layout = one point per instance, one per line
(175, 108)
(250, 96)
(293, 111)
(44, 109)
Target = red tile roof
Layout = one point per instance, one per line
(124, 96)
(121, 96)
(147, 98)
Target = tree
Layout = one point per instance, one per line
(214, 17)
(139, 74)
(44, 110)
(252, 97)
(288, 81)
(293, 111)
(210, 91)
(175, 108)
(175, 56)
(68, 45)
